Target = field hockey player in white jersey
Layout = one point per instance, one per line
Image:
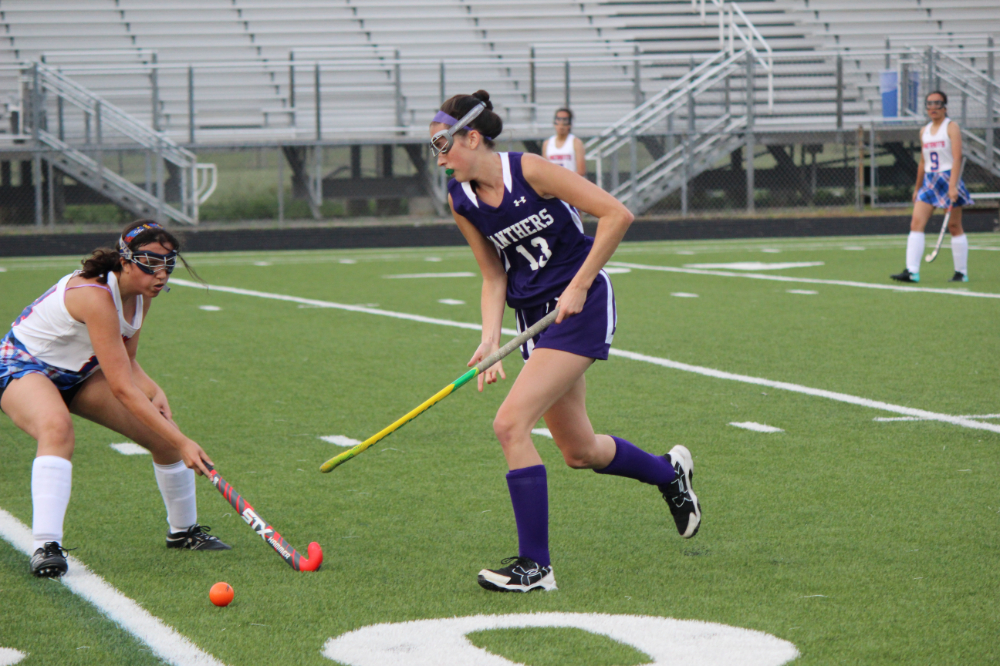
(518, 213)
(564, 148)
(73, 351)
(939, 185)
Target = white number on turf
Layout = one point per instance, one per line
(443, 642)
(10, 656)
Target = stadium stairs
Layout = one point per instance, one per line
(307, 72)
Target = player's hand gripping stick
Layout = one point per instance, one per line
(480, 367)
(266, 532)
(944, 225)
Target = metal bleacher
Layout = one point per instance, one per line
(238, 73)
(244, 88)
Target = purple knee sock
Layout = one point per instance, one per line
(632, 462)
(529, 494)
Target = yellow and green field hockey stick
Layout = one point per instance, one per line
(487, 362)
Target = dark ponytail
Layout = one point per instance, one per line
(104, 260)
(487, 123)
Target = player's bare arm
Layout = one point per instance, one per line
(613, 220)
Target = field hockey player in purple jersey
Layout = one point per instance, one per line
(518, 213)
(73, 351)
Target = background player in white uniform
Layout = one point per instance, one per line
(564, 148)
(938, 186)
(74, 351)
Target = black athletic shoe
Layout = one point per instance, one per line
(906, 276)
(49, 561)
(679, 494)
(520, 575)
(196, 537)
(959, 276)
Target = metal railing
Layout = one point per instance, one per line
(77, 147)
(731, 16)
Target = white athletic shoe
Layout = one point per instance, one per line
(679, 494)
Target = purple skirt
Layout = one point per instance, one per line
(588, 333)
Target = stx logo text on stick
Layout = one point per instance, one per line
(259, 526)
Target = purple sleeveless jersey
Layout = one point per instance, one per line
(541, 241)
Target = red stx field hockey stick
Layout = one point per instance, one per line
(266, 532)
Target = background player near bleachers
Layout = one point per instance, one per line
(564, 148)
(939, 185)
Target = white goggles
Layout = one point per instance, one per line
(442, 141)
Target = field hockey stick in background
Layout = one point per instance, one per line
(944, 225)
(266, 532)
(480, 367)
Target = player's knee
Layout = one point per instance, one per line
(579, 459)
(56, 435)
(506, 427)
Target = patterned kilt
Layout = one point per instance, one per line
(16, 362)
(935, 190)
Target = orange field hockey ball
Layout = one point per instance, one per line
(221, 594)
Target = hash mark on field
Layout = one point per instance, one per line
(756, 427)
(459, 274)
(432, 259)
(806, 292)
(544, 432)
(613, 270)
(853, 248)
(451, 301)
(340, 440)
(10, 656)
(684, 294)
(654, 360)
(209, 308)
(164, 641)
(262, 263)
(129, 449)
(348, 261)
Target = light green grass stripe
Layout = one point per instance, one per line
(667, 363)
(786, 278)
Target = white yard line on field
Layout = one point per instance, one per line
(663, 362)
(161, 638)
(887, 419)
(786, 278)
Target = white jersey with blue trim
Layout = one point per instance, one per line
(540, 241)
(49, 333)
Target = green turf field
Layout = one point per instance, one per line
(858, 541)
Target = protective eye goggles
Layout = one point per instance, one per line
(934, 104)
(560, 120)
(442, 141)
(149, 263)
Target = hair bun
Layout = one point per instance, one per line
(484, 97)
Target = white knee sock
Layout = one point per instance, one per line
(914, 251)
(51, 481)
(960, 253)
(176, 484)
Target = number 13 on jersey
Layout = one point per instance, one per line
(543, 245)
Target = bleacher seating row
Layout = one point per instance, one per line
(242, 51)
